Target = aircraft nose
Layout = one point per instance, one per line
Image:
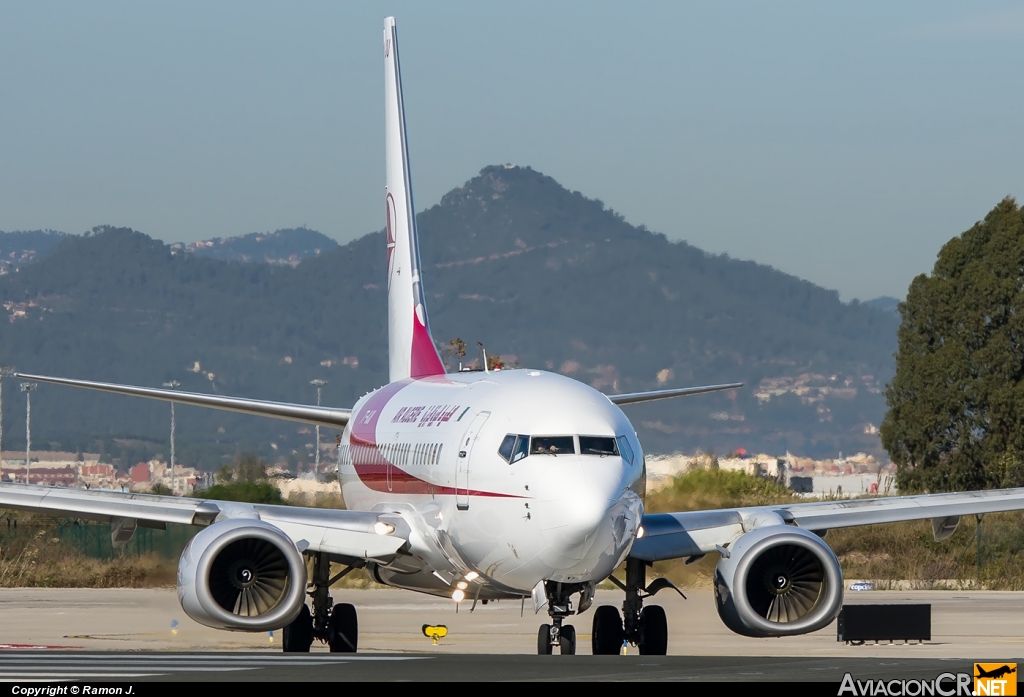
(580, 516)
(591, 517)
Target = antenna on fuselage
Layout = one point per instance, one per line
(485, 356)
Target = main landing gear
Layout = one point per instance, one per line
(337, 625)
(644, 627)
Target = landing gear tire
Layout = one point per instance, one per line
(343, 629)
(567, 640)
(608, 634)
(544, 640)
(653, 631)
(297, 637)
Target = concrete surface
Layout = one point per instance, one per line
(980, 624)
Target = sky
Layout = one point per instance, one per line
(843, 143)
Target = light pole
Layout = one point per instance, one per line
(319, 383)
(172, 384)
(5, 370)
(27, 388)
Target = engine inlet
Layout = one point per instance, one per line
(785, 582)
(249, 577)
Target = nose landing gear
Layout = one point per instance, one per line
(563, 636)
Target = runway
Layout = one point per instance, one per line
(142, 634)
(84, 667)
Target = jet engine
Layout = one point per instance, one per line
(778, 580)
(242, 574)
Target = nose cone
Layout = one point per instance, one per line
(588, 529)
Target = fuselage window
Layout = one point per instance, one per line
(627, 452)
(598, 445)
(553, 445)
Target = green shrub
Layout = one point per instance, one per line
(244, 492)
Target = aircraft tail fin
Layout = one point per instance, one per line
(411, 348)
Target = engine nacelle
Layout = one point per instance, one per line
(778, 581)
(243, 574)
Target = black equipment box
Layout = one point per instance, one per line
(860, 623)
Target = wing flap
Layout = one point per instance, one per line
(324, 416)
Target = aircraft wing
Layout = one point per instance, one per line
(355, 534)
(324, 416)
(693, 533)
(653, 395)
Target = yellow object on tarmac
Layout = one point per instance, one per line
(435, 632)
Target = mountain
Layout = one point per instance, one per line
(23, 247)
(541, 275)
(885, 304)
(283, 247)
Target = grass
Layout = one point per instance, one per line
(31, 556)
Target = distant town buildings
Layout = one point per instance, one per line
(855, 475)
(50, 468)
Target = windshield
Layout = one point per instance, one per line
(514, 448)
(598, 445)
(552, 445)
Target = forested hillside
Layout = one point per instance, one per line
(540, 275)
(23, 247)
(290, 246)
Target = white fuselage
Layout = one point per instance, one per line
(429, 449)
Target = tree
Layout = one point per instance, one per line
(956, 402)
(250, 468)
(456, 350)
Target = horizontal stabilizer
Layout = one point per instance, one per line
(637, 397)
(324, 416)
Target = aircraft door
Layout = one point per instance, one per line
(462, 460)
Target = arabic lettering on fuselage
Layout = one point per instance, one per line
(426, 416)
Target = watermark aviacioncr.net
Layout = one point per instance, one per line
(988, 680)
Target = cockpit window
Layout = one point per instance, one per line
(598, 445)
(627, 452)
(514, 448)
(552, 445)
(522, 448)
(505, 449)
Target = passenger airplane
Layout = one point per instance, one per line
(482, 486)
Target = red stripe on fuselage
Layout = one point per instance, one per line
(369, 462)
